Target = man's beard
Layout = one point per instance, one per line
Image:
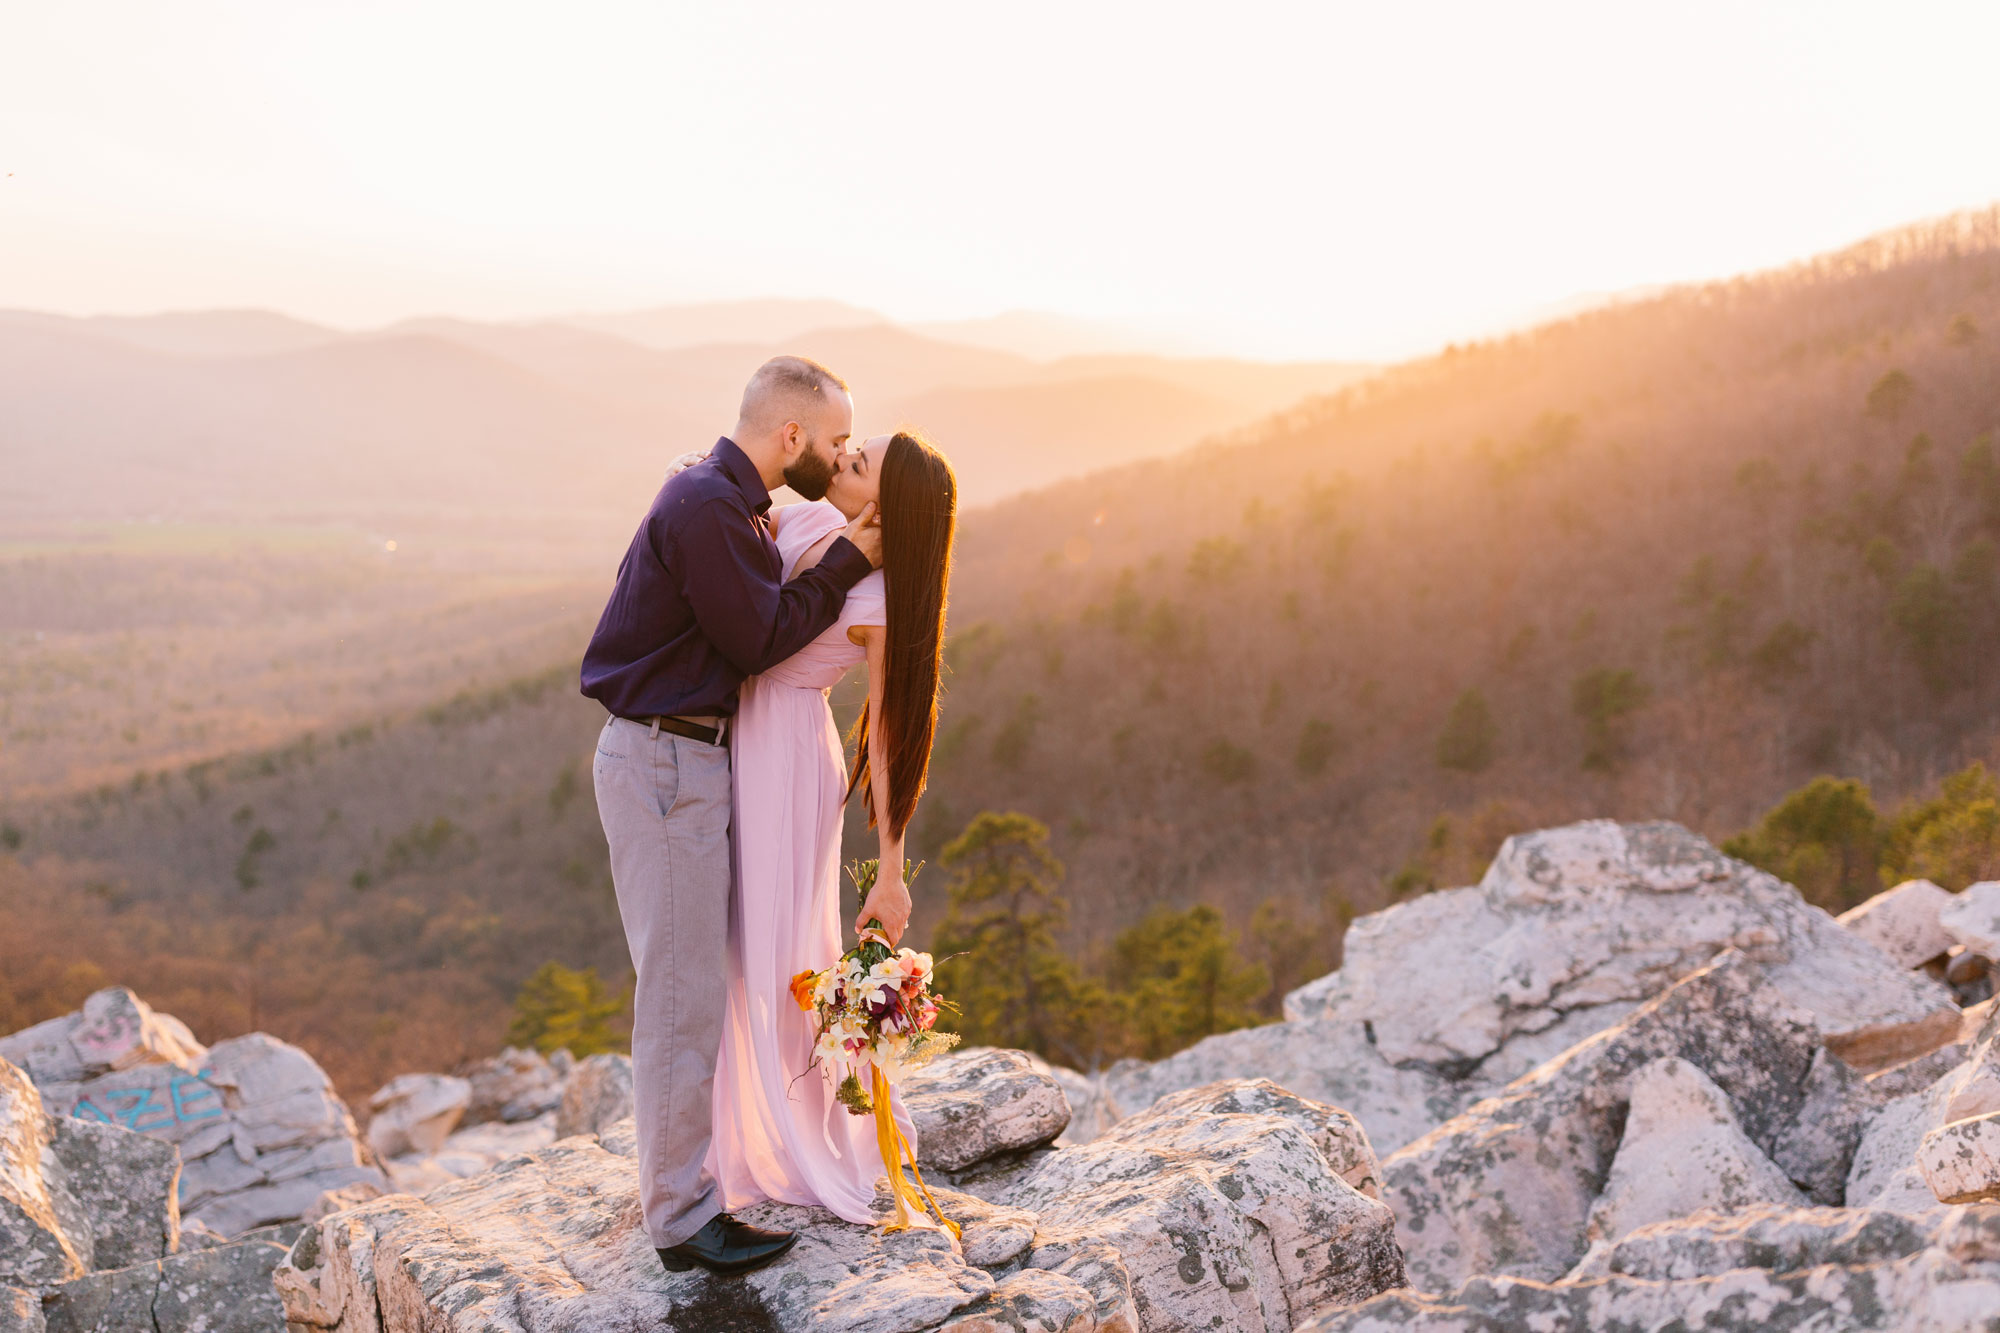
(810, 476)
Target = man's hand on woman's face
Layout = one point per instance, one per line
(866, 534)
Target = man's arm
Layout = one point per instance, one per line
(754, 621)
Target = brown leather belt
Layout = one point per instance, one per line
(680, 726)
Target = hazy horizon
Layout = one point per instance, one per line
(1338, 184)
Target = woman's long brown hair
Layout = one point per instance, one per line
(919, 508)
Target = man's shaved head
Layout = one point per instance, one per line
(788, 388)
(794, 423)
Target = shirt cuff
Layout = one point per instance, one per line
(846, 565)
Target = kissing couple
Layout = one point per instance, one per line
(721, 779)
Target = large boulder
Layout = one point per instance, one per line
(1327, 1060)
(415, 1113)
(1224, 1217)
(76, 1196)
(1961, 1159)
(468, 1152)
(970, 1105)
(1222, 1204)
(597, 1094)
(517, 1084)
(226, 1289)
(260, 1130)
(1972, 919)
(1903, 922)
(1771, 1236)
(20, 1311)
(1571, 919)
(1682, 1151)
(554, 1240)
(1932, 1291)
(1507, 1187)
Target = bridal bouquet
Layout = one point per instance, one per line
(874, 1016)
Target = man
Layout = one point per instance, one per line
(699, 604)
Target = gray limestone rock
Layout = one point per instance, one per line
(1961, 1159)
(596, 1095)
(1223, 1218)
(20, 1311)
(970, 1105)
(1972, 919)
(1929, 1292)
(1507, 1187)
(1903, 922)
(415, 1113)
(1769, 1236)
(514, 1085)
(260, 1132)
(222, 1290)
(75, 1196)
(1682, 1152)
(1327, 1060)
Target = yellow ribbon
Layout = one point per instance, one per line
(896, 1150)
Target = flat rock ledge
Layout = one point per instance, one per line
(1223, 1210)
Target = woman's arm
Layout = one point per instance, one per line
(889, 900)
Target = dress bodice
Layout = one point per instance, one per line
(820, 664)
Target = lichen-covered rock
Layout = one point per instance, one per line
(1339, 1136)
(1682, 1152)
(222, 1290)
(1508, 1186)
(1572, 918)
(554, 1240)
(970, 1105)
(1327, 1060)
(1929, 1292)
(260, 1130)
(1223, 1218)
(1885, 1173)
(1961, 1159)
(514, 1085)
(76, 1196)
(113, 1030)
(20, 1311)
(1972, 918)
(1780, 1239)
(1093, 1108)
(597, 1094)
(415, 1113)
(1903, 922)
(468, 1152)
(1032, 1298)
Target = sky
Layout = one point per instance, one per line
(1278, 180)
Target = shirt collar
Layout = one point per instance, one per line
(744, 473)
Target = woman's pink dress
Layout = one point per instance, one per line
(779, 1132)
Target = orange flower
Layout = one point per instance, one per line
(802, 989)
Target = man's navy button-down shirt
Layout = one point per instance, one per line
(701, 601)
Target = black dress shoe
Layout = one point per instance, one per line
(727, 1246)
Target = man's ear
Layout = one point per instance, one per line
(792, 440)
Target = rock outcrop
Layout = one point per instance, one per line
(514, 1085)
(1972, 919)
(1903, 923)
(1569, 920)
(1450, 997)
(597, 1094)
(1682, 1151)
(1224, 1204)
(1507, 1188)
(415, 1113)
(260, 1130)
(76, 1196)
(970, 1105)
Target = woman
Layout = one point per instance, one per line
(779, 1132)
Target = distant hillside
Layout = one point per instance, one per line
(1666, 559)
(242, 415)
